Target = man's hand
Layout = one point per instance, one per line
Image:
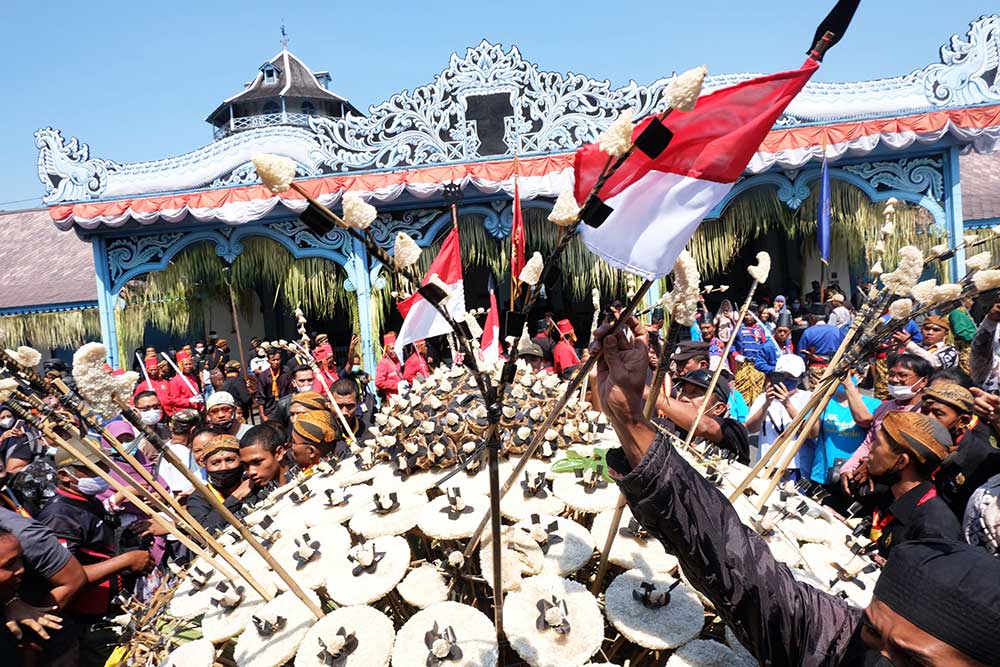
(987, 406)
(621, 370)
(19, 613)
(857, 476)
(901, 338)
(148, 528)
(140, 562)
(994, 313)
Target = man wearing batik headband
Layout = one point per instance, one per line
(225, 479)
(937, 603)
(935, 347)
(564, 354)
(974, 460)
(907, 450)
(315, 436)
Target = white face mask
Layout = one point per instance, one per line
(902, 392)
(300, 388)
(151, 416)
(6, 423)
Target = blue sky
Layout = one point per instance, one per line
(135, 80)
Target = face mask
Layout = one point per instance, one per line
(152, 416)
(199, 350)
(91, 486)
(902, 392)
(222, 427)
(130, 448)
(6, 423)
(224, 479)
(355, 368)
(891, 476)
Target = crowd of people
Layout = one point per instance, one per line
(910, 443)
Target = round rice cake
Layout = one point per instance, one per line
(264, 644)
(197, 653)
(351, 581)
(632, 547)
(566, 545)
(440, 520)
(370, 523)
(302, 555)
(570, 489)
(194, 592)
(222, 622)
(335, 505)
(424, 586)
(574, 627)
(531, 495)
(359, 636)
(463, 636)
(520, 556)
(703, 653)
(647, 621)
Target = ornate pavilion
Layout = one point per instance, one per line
(203, 215)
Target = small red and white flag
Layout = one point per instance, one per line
(420, 318)
(489, 344)
(649, 209)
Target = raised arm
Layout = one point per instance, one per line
(780, 620)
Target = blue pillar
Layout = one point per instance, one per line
(357, 271)
(106, 300)
(953, 210)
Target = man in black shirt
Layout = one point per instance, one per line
(937, 603)
(272, 384)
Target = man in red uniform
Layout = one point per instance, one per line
(155, 384)
(324, 359)
(416, 363)
(388, 374)
(185, 388)
(563, 353)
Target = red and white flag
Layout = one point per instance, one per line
(420, 318)
(517, 250)
(652, 206)
(489, 344)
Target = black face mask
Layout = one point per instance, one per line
(889, 477)
(875, 659)
(221, 427)
(226, 479)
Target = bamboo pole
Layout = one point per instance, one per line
(168, 499)
(119, 487)
(229, 517)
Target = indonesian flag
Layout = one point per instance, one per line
(517, 258)
(420, 318)
(489, 344)
(648, 210)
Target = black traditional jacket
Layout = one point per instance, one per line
(780, 620)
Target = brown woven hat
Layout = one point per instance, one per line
(317, 427)
(953, 395)
(221, 443)
(924, 437)
(938, 321)
(311, 400)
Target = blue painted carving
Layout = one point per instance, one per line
(66, 168)
(923, 175)
(335, 244)
(918, 181)
(417, 223)
(130, 252)
(968, 71)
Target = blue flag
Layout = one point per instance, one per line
(823, 215)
